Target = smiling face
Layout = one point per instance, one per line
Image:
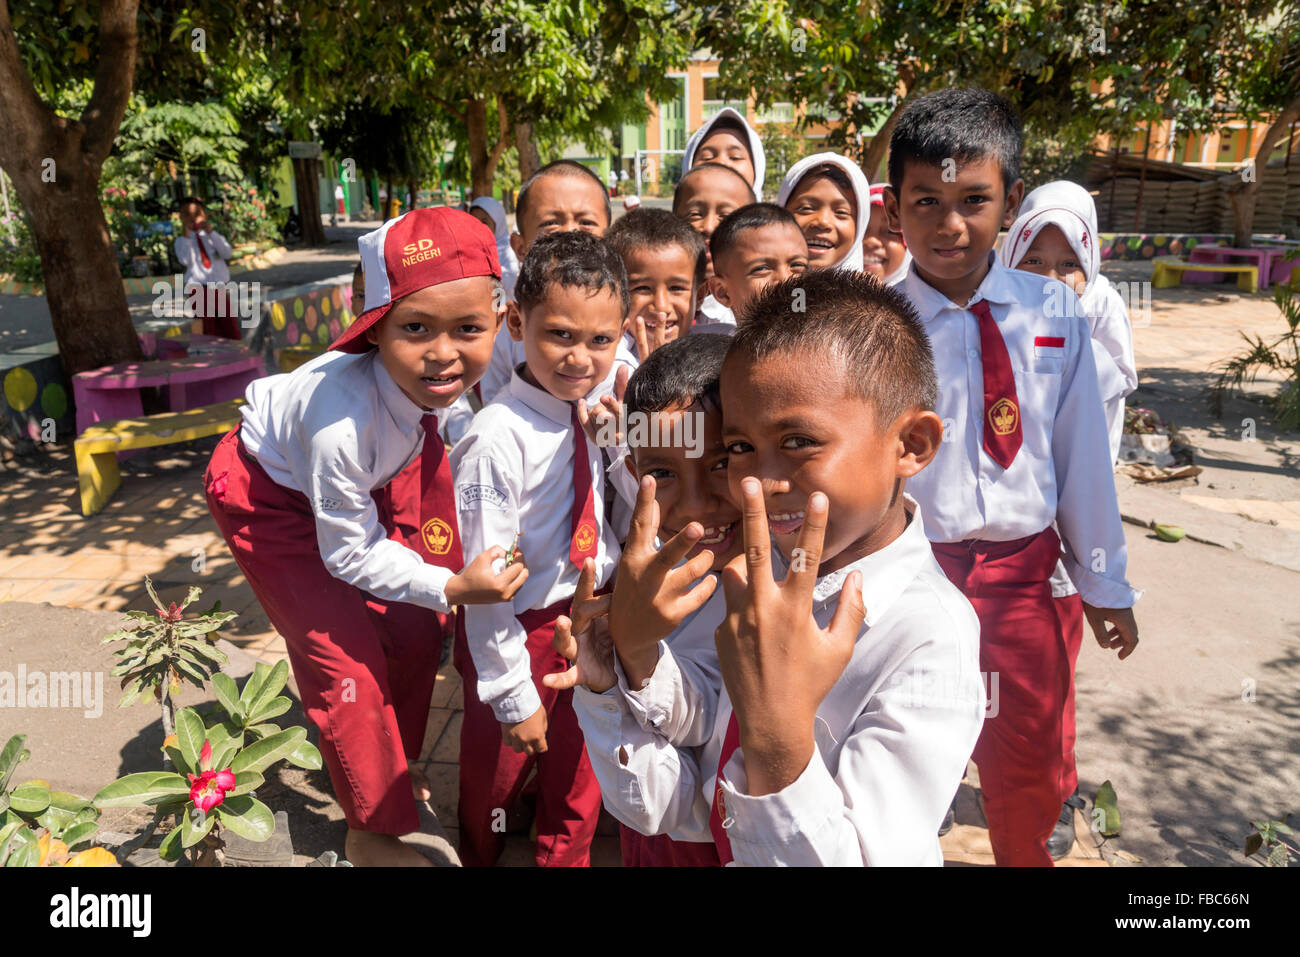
(557, 203)
(661, 283)
(1051, 255)
(692, 489)
(728, 147)
(569, 339)
(799, 433)
(827, 214)
(883, 249)
(951, 227)
(710, 195)
(437, 342)
(758, 258)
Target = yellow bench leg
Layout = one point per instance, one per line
(1248, 279)
(99, 478)
(1162, 277)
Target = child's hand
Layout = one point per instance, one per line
(584, 640)
(778, 664)
(652, 597)
(608, 410)
(479, 584)
(1123, 636)
(650, 337)
(527, 736)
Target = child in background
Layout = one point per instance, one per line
(357, 304)
(831, 200)
(660, 609)
(560, 196)
(203, 252)
(335, 498)
(822, 748)
(756, 246)
(726, 138)
(884, 254)
(665, 262)
(1056, 237)
(492, 214)
(704, 197)
(1028, 453)
(526, 473)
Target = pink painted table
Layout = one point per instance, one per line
(1263, 257)
(113, 392)
(195, 343)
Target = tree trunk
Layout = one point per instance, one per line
(306, 179)
(1243, 199)
(875, 154)
(388, 203)
(530, 161)
(483, 158)
(412, 189)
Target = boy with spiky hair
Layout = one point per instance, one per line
(756, 246)
(665, 261)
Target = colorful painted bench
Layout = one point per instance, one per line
(1169, 270)
(97, 447)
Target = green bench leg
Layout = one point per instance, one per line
(98, 477)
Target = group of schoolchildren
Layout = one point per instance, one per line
(777, 643)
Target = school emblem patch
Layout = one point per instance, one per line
(585, 536)
(437, 536)
(1004, 416)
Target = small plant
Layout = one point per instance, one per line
(1266, 837)
(40, 826)
(1281, 355)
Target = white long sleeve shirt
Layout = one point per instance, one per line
(891, 738)
(336, 429)
(514, 474)
(1062, 472)
(188, 255)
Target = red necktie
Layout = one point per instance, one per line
(1002, 432)
(418, 507)
(729, 745)
(203, 253)
(582, 527)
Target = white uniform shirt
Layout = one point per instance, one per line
(514, 474)
(1062, 472)
(899, 274)
(892, 737)
(714, 317)
(336, 429)
(188, 255)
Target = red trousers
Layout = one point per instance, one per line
(365, 668)
(662, 851)
(222, 322)
(1069, 614)
(1023, 653)
(492, 774)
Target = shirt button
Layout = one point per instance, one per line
(973, 353)
(611, 708)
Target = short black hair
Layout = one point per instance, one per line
(872, 329)
(190, 200)
(699, 170)
(965, 125)
(559, 168)
(647, 228)
(572, 259)
(678, 373)
(753, 216)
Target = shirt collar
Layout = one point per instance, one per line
(406, 414)
(929, 301)
(541, 401)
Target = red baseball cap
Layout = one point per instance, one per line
(418, 249)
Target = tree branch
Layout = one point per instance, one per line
(118, 41)
(21, 108)
(503, 136)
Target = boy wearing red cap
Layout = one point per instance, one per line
(334, 495)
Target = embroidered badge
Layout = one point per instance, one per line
(1004, 416)
(482, 496)
(437, 536)
(585, 536)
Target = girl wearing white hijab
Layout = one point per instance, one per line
(830, 198)
(496, 221)
(728, 139)
(1056, 235)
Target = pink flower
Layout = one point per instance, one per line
(171, 614)
(209, 788)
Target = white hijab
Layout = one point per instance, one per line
(861, 192)
(755, 146)
(1069, 208)
(506, 255)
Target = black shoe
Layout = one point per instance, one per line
(949, 819)
(1062, 839)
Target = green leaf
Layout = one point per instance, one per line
(1254, 842)
(223, 686)
(12, 755)
(79, 834)
(153, 595)
(1108, 804)
(262, 754)
(4, 801)
(272, 709)
(178, 761)
(189, 735)
(132, 694)
(29, 855)
(135, 790)
(192, 833)
(170, 849)
(270, 687)
(247, 816)
(55, 820)
(305, 756)
(1283, 828)
(68, 802)
(263, 730)
(245, 781)
(251, 686)
(30, 798)
(1279, 856)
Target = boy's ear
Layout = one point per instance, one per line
(720, 290)
(630, 462)
(1015, 195)
(372, 334)
(517, 244)
(920, 433)
(891, 208)
(515, 320)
